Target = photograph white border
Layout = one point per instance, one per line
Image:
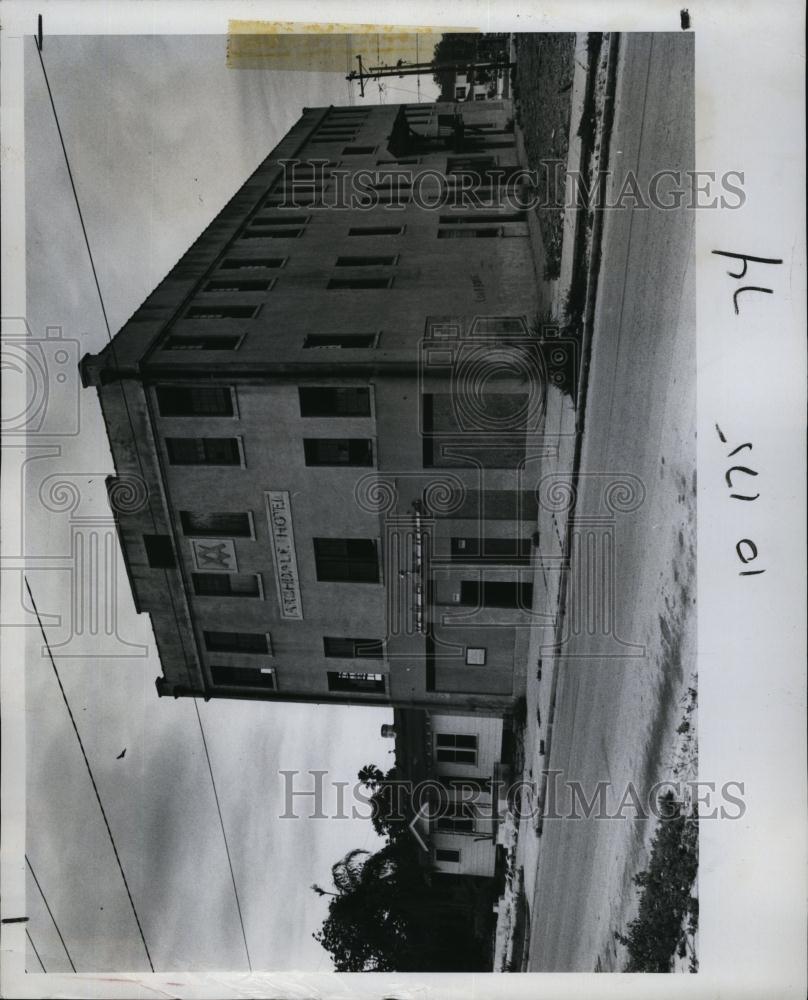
(749, 116)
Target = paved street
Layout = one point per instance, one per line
(630, 648)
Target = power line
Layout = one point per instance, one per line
(92, 777)
(224, 835)
(134, 435)
(73, 186)
(31, 941)
(87, 244)
(50, 914)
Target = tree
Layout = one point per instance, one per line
(467, 47)
(388, 799)
(384, 916)
(370, 776)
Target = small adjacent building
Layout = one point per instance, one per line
(325, 427)
(458, 768)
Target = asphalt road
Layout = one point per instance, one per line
(631, 605)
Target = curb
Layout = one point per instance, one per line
(593, 271)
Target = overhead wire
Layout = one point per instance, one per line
(92, 778)
(50, 911)
(224, 834)
(38, 957)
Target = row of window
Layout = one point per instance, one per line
(355, 560)
(227, 451)
(265, 677)
(336, 560)
(334, 647)
(218, 401)
(260, 643)
(237, 283)
(232, 341)
(362, 150)
(346, 451)
(439, 416)
(513, 551)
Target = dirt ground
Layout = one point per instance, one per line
(542, 91)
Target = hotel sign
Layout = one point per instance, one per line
(279, 515)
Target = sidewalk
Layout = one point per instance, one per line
(563, 426)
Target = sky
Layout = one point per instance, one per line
(160, 133)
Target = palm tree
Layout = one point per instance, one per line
(371, 776)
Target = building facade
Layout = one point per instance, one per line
(325, 423)
(457, 766)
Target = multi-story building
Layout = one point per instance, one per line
(324, 423)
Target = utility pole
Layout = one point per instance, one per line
(402, 69)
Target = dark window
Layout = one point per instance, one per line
(496, 594)
(350, 649)
(346, 560)
(237, 642)
(214, 311)
(159, 551)
(296, 198)
(444, 854)
(340, 340)
(296, 181)
(456, 824)
(281, 220)
(203, 451)
(198, 525)
(360, 283)
(344, 680)
(456, 748)
(270, 234)
(194, 401)
(497, 442)
(320, 167)
(499, 325)
(304, 187)
(508, 551)
(332, 401)
(375, 230)
(254, 677)
(358, 150)
(338, 451)
(475, 218)
(459, 234)
(226, 585)
(224, 342)
(250, 263)
(238, 285)
(356, 261)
